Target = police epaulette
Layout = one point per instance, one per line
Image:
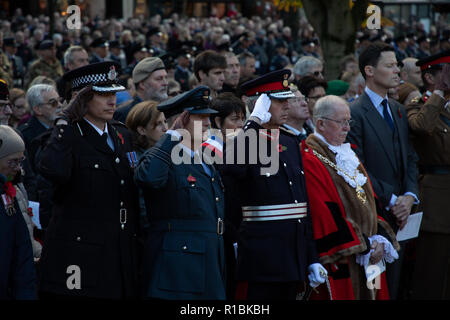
(118, 123)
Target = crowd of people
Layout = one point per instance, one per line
(92, 121)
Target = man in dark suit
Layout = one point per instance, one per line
(380, 139)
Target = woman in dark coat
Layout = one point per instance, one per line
(17, 273)
(91, 249)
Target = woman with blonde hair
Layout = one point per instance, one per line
(146, 124)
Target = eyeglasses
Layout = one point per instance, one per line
(54, 103)
(16, 163)
(342, 123)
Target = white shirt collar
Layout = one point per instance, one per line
(375, 97)
(100, 132)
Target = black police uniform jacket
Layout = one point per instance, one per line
(271, 250)
(95, 214)
(184, 252)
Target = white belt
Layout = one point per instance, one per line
(275, 212)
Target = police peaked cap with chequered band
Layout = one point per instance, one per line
(102, 76)
(196, 101)
(275, 84)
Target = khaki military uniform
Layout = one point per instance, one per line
(430, 127)
(41, 67)
(6, 70)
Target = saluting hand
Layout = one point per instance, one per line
(181, 122)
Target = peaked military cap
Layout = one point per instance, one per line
(196, 101)
(275, 84)
(102, 76)
(434, 61)
(99, 42)
(115, 44)
(10, 42)
(4, 92)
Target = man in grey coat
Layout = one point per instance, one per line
(380, 139)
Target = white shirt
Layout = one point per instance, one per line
(101, 132)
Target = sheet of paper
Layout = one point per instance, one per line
(411, 229)
(35, 207)
(374, 270)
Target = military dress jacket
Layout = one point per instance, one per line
(95, 213)
(275, 236)
(429, 123)
(184, 252)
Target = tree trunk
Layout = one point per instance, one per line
(336, 25)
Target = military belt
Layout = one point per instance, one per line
(275, 212)
(188, 226)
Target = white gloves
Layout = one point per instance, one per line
(317, 274)
(261, 109)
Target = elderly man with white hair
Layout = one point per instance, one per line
(308, 66)
(45, 104)
(349, 233)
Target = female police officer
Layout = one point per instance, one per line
(90, 249)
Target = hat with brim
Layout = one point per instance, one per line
(102, 76)
(275, 84)
(196, 101)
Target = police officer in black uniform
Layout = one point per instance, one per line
(275, 247)
(90, 250)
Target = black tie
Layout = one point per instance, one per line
(386, 115)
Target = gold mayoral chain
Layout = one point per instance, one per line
(359, 191)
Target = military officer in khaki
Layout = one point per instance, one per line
(430, 127)
(47, 65)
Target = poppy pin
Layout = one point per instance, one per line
(120, 137)
(191, 179)
(281, 148)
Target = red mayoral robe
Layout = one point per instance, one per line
(341, 224)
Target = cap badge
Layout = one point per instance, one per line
(285, 83)
(112, 74)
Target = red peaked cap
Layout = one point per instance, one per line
(275, 84)
(434, 60)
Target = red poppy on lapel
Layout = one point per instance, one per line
(120, 137)
(399, 113)
(191, 179)
(30, 212)
(281, 148)
(353, 146)
(10, 190)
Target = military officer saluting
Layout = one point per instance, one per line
(92, 231)
(275, 249)
(184, 252)
(429, 122)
